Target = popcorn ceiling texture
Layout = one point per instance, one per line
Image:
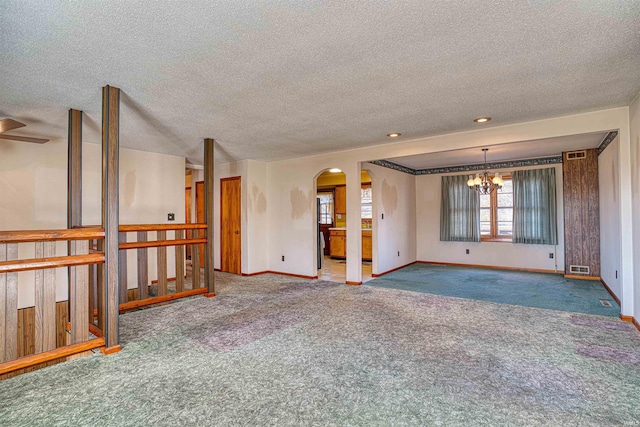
(271, 350)
(283, 79)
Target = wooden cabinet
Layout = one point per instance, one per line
(340, 199)
(338, 243)
(366, 245)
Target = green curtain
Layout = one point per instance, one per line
(459, 211)
(534, 207)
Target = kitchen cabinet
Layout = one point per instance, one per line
(338, 243)
(366, 245)
(340, 199)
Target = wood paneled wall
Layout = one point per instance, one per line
(27, 335)
(581, 212)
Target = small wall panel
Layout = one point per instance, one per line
(581, 212)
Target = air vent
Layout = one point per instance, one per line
(605, 303)
(579, 269)
(576, 155)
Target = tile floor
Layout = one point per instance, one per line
(335, 270)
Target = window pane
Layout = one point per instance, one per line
(505, 200)
(485, 215)
(366, 210)
(485, 228)
(505, 214)
(505, 228)
(507, 187)
(326, 207)
(365, 195)
(485, 200)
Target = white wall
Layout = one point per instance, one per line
(33, 195)
(634, 126)
(394, 196)
(502, 254)
(609, 190)
(257, 231)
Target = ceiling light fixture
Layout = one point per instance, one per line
(335, 170)
(393, 134)
(483, 183)
(482, 119)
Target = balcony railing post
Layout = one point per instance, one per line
(209, 277)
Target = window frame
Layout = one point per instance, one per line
(333, 203)
(493, 227)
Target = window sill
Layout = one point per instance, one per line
(497, 239)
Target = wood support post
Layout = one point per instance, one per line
(208, 216)
(110, 213)
(143, 268)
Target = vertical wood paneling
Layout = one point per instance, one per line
(100, 290)
(62, 317)
(122, 268)
(209, 277)
(45, 300)
(9, 304)
(180, 263)
(582, 212)
(143, 268)
(195, 262)
(110, 212)
(79, 294)
(27, 331)
(162, 264)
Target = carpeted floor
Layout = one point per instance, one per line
(550, 291)
(271, 350)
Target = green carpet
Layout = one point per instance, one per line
(549, 291)
(270, 350)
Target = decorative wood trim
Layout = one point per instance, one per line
(289, 274)
(95, 330)
(616, 299)
(210, 294)
(494, 267)
(110, 350)
(353, 283)
(157, 227)
(575, 276)
(34, 359)
(132, 305)
(25, 236)
(635, 323)
(54, 262)
(394, 269)
(626, 318)
(255, 274)
(607, 140)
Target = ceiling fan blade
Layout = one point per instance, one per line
(24, 138)
(9, 124)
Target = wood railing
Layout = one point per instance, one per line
(140, 295)
(49, 330)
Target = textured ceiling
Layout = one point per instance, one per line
(281, 79)
(547, 147)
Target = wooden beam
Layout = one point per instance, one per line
(160, 243)
(110, 213)
(157, 227)
(35, 359)
(74, 170)
(54, 262)
(209, 276)
(179, 262)
(195, 262)
(131, 305)
(24, 236)
(79, 294)
(162, 264)
(45, 301)
(122, 268)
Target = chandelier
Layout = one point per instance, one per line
(483, 183)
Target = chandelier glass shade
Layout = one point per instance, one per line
(483, 182)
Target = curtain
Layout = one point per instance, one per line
(534, 207)
(459, 211)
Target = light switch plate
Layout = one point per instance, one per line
(171, 217)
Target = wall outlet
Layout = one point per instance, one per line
(616, 274)
(398, 253)
(171, 217)
(467, 251)
(550, 255)
(382, 216)
(283, 257)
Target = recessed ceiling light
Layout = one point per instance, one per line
(393, 134)
(482, 119)
(335, 170)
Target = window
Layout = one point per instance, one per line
(366, 205)
(326, 207)
(496, 213)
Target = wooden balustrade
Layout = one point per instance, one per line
(34, 336)
(139, 296)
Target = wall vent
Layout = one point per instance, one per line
(576, 155)
(579, 269)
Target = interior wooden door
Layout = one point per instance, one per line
(187, 201)
(200, 216)
(230, 230)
